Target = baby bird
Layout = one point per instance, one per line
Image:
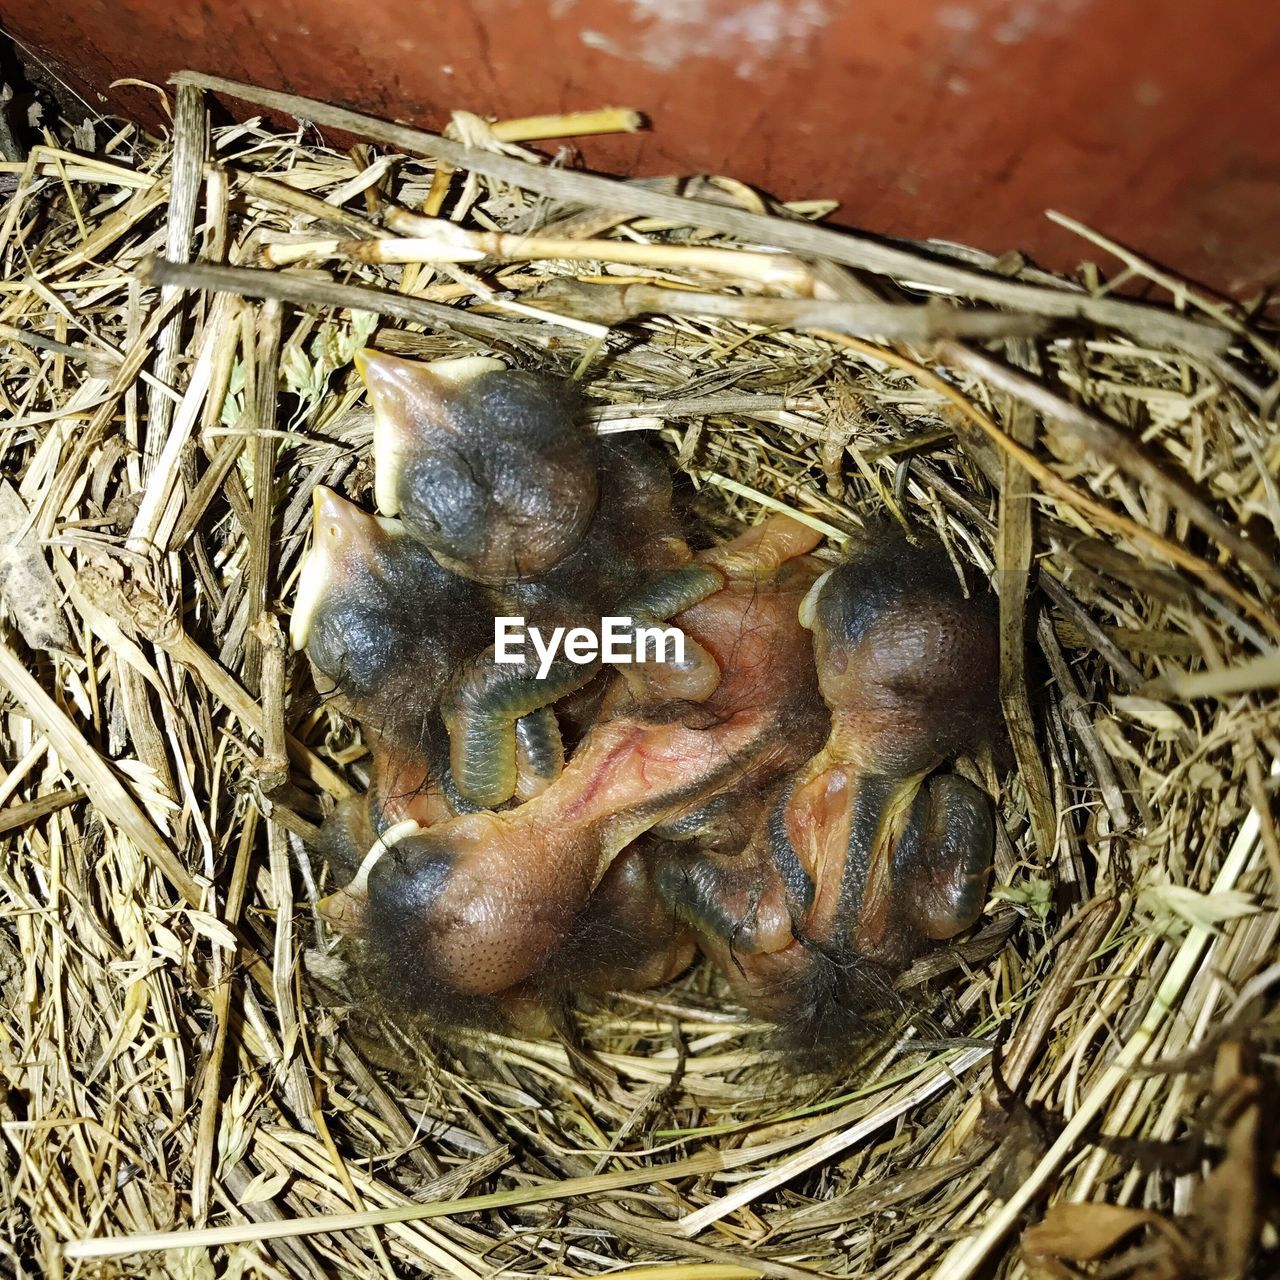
(494, 472)
(489, 467)
(868, 855)
(385, 627)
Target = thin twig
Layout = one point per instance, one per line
(907, 322)
(246, 282)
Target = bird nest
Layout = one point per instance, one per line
(1073, 1089)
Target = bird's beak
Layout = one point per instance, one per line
(410, 400)
(344, 912)
(809, 605)
(342, 536)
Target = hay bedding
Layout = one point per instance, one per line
(177, 1053)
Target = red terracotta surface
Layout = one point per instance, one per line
(1157, 123)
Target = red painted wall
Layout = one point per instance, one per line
(1156, 122)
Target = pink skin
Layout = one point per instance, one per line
(505, 887)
